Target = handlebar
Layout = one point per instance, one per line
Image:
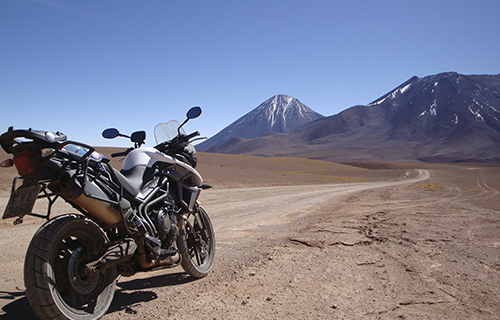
(176, 142)
(192, 135)
(185, 138)
(121, 154)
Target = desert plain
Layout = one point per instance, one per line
(309, 239)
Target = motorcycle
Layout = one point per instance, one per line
(144, 217)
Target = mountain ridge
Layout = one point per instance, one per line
(442, 117)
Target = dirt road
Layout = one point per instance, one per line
(238, 213)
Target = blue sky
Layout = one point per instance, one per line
(82, 66)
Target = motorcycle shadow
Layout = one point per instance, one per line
(128, 294)
(19, 308)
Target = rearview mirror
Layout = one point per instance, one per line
(110, 133)
(194, 112)
(138, 136)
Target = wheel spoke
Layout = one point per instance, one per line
(73, 297)
(197, 254)
(87, 300)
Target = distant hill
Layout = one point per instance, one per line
(444, 117)
(280, 113)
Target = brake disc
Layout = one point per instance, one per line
(82, 283)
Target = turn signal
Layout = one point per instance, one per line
(47, 152)
(7, 163)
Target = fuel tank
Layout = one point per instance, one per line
(147, 156)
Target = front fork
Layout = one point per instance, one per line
(192, 219)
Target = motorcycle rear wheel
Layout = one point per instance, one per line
(196, 243)
(57, 285)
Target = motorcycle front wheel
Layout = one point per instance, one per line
(58, 285)
(196, 244)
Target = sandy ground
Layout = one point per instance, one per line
(307, 239)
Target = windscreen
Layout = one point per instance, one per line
(167, 131)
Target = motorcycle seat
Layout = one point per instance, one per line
(132, 180)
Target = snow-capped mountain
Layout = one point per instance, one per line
(280, 113)
(447, 105)
(443, 117)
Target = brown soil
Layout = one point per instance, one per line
(307, 239)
